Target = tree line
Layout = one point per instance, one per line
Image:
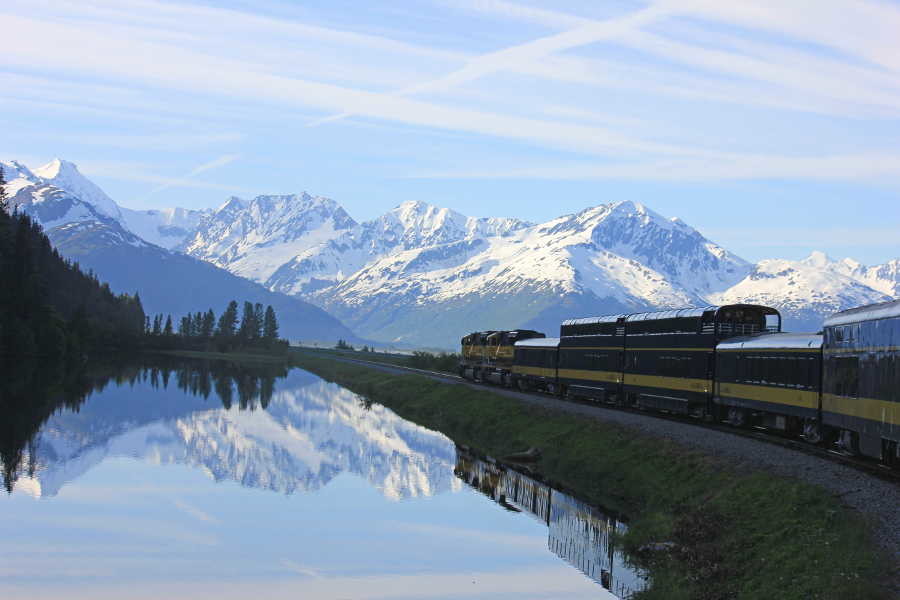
(257, 330)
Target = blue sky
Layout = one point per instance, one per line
(771, 126)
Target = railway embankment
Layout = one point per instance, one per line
(744, 519)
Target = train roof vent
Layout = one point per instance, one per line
(692, 311)
(594, 320)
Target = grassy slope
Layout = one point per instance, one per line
(741, 533)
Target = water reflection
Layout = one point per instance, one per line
(579, 533)
(154, 480)
(229, 419)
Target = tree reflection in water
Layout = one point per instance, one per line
(32, 392)
(580, 534)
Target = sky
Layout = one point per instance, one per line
(772, 126)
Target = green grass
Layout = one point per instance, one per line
(233, 356)
(740, 533)
(442, 361)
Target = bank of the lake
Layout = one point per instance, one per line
(738, 533)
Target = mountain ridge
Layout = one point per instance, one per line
(168, 282)
(421, 274)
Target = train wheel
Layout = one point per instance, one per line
(812, 431)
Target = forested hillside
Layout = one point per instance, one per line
(48, 306)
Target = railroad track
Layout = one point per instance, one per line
(762, 435)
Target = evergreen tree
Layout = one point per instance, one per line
(228, 321)
(258, 318)
(184, 328)
(167, 330)
(209, 323)
(248, 326)
(270, 325)
(157, 325)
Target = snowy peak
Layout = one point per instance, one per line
(818, 259)
(254, 238)
(65, 175)
(57, 167)
(808, 290)
(416, 224)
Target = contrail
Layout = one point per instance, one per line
(508, 58)
(213, 164)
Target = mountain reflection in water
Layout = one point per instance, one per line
(155, 479)
(230, 420)
(580, 534)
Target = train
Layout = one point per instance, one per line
(730, 363)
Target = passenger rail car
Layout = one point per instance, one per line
(861, 385)
(774, 380)
(660, 360)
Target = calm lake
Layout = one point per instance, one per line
(218, 480)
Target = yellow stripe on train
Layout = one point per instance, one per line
(773, 395)
(880, 411)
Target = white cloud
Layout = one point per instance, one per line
(105, 52)
(723, 167)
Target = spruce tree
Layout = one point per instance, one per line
(184, 329)
(270, 325)
(228, 321)
(167, 330)
(258, 318)
(209, 323)
(247, 324)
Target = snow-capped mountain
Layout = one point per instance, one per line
(617, 257)
(297, 244)
(806, 291)
(310, 432)
(66, 176)
(253, 238)
(422, 275)
(168, 282)
(166, 227)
